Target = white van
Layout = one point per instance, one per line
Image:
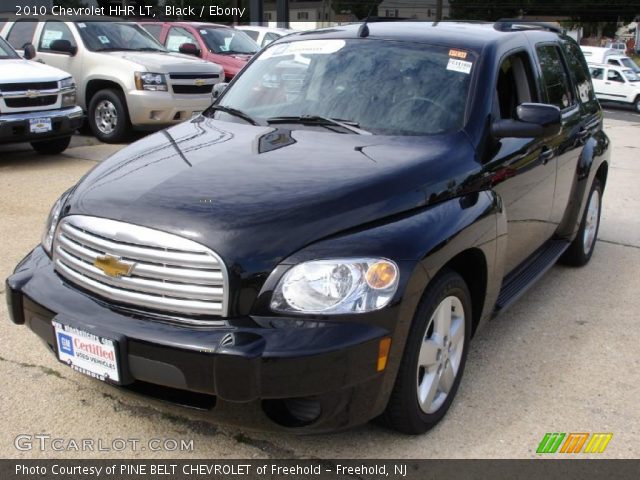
(598, 54)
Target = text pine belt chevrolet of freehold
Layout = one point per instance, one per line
(319, 246)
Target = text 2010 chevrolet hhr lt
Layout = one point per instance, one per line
(318, 247)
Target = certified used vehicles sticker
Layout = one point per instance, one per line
(457, 65)
(310, 47)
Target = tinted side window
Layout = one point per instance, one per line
(554, 76)
(177, 36)
(514, 85)
(154, 30)
(580, 72)
(21, 33)
(55, 31)
(597, 73)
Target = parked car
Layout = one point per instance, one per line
(125, 78)
(619, 46)
(264, 35)
(310, 260)
(624, 62)
(37, 103)
(616, 84)
(220, 44)
(598, 54)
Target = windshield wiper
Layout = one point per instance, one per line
(149, 49)
(237, 113)
(320, 120)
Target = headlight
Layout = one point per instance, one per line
(68, 87)
(151, 81)
(348, 285)
(52, 223)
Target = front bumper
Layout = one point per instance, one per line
(312, 378)
(14, 127)
(152, 110)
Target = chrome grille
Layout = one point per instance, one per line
(168, 273)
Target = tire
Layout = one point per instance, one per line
(406, 411)
(112, 124)
(581, 249)
(636, 104)
(51, 147)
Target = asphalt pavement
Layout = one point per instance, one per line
(563, 359)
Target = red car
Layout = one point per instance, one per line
(216, 43)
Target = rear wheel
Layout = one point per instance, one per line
(636, 104)
(434, 357)
(51, 147)
(108, 116)
(581, 249)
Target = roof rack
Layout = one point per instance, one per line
(516, 24)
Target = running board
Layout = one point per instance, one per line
(518, 282)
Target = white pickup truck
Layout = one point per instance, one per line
(37, 103)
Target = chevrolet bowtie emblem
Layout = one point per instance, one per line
(113, 266)
(32, 93)
(199, 82)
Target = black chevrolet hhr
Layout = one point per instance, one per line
(318, 247)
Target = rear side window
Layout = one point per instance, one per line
(252, 33)
(580, 72)
(554, 76)
(154, 30)
(55, 31)
(597, 73)
(21, 33)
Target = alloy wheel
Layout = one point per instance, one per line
(591, 222)
(440, 354)
(106, 117)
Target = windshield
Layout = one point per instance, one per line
(228, 41)
(104, 36)
(6, 51)
(627, 62)
(384, 87)
(631, 75)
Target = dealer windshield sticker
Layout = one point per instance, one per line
(82, 25)
(458, 53)
(203, 32)
(309, 47)
(103, 39)
(462, 66)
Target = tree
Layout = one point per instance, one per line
(359, 8)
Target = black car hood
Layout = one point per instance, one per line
(255, 195)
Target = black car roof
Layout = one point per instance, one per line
(466, 35)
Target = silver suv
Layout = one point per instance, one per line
(125, 78)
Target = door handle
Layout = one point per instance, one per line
(546, 155)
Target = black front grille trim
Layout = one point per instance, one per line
(24, 102)
(21, 87)
(192, 89)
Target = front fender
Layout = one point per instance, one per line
(421, 243)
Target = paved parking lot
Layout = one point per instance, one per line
(563, 359)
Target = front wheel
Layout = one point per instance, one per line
(636, 104)
(434, 357)
(581, 249)
(108, 117)
(51, 147)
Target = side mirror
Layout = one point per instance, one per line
(29, 51)
(189, 49)
(218, 88)
(533, 120)
(63, 46)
